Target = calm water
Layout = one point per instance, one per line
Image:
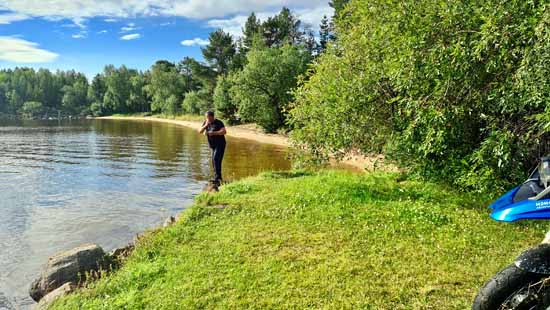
(101, 181)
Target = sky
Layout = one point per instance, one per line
(86, 35)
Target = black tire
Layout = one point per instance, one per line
(505, 283)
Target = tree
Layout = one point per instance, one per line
(281, 29)
(97, 89)
(324, 34)
(263, 88)
(452, 90)
(338, 6)
(310, 43)
(196, 102)
(225, 106)
(185, 69)
(252, 29)
(165, 84)
(32, 109)
(220, 51)
(75, 96)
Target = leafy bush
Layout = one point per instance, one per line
(451, 89)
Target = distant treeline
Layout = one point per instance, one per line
(244, 79)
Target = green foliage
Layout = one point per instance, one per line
(324, 34)
(75, 96)
(121, 90)
(224, 104)
(196, 103)
(22, 85)
(252, 29)
(454, 89)
(262, 89)
(281, 29)
(165, 88)
(220, 51)
(327, 240)
(32, 109)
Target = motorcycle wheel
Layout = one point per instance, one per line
(514, 289)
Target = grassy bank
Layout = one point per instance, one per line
(330, 240)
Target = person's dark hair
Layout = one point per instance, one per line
(210, 113)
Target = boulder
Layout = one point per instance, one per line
(70, 266)
(47, 300)
(121, 254)
(169, 222)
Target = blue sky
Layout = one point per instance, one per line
(85, 35)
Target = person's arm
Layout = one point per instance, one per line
(203, 127)
(221, 132)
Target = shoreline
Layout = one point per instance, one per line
(354, 161)
(232, 131)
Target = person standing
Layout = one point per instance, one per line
(215, 130)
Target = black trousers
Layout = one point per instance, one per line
(217, 158)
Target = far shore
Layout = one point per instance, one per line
(250, 132)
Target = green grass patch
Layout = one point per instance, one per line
(327, 240)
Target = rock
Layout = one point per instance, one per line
(47, 300)
(211, 188)
(169, 221)
(120, 254)
(69, 266)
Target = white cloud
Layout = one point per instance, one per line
(110, 9)
(132, 36)
(22, 51)
(195, 41)
(129, 28)
(12, 17)
(102, 31)
(110, 20)
(80, 35)
(234, 25)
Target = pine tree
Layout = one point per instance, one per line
(220, 51)
(251, 29)
(325, 34)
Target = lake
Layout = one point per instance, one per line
(99, 181)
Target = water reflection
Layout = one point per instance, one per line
(62, 185)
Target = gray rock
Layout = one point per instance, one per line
(47, 300)
(169, 221)
(120, 254)
(69, 266)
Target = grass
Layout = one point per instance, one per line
(327, 240)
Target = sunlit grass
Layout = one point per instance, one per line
(329, 240)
